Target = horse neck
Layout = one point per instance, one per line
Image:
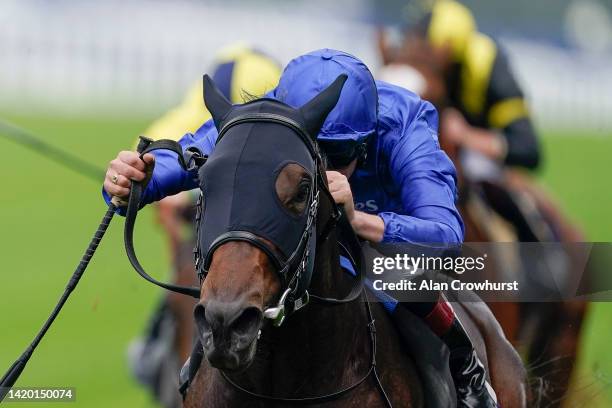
(320, 347)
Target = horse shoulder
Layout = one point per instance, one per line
(398, 373)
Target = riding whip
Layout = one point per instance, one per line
(13, 373)
(62, 157)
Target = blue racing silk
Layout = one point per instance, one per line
(406, 179)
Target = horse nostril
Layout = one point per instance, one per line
(247, 323)
(199, 313)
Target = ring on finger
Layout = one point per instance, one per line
(115, 178)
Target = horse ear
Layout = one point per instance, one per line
(216, 103)
(316, 110)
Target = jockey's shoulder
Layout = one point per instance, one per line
(399, 107)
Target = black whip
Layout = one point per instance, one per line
(145, 145)
(13, 373)
(60, 156)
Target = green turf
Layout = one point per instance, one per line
(49, 213)
(48, 216)
(577, 170)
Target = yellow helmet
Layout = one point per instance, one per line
(451, 23)
(241, 72)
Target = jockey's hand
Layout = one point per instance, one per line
(454, 127)
(367, 226)
(125, 167)
(340, 190)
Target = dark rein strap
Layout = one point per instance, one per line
(136, 190)
(350, 243)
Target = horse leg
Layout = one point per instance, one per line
(554, 343)
(553, 347)
(509, 318)
(505, 368)
(182, 306)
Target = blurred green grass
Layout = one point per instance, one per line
(48, 217)
(577, 170)
(49, 214)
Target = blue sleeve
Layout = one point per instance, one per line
(427, 181)
(168, 177)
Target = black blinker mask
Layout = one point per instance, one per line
(238, 184)
(239, 200)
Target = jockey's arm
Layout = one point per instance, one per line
(515, 144)
(522, 147)
(427, 181)
(511, 140)
(368, 226)
(168, 177)
(508, 115)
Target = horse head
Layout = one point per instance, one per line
(257, 219)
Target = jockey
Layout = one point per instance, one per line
(490, 115)
(485, 122)
(395, 183)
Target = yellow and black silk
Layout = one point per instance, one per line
(481, 84)
(485, 90)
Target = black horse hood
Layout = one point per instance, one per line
(256, 141)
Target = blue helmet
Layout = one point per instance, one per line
(355, 115)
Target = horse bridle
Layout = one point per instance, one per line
(290, 270)
(295, 270)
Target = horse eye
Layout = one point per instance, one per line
(303, 191)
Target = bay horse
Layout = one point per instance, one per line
(547, 333)
(268, 238)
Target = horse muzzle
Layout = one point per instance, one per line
(228, 333)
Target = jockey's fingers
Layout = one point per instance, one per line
(123, 181)
(116, 179)
(341, 196)
(341, 184)
(333, 176)
(131, 158)
(119, 167)
(148, 159)
(115, 190)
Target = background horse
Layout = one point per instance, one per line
(547, 333)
